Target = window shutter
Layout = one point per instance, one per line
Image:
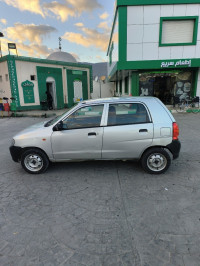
(177, 31)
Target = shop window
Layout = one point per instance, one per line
(178, 31)
(1, 79)
(167, 85)
(33, 77)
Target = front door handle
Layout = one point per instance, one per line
(143, 130)
(92, 134)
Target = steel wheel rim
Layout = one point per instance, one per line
(33, 162)
(156, 162)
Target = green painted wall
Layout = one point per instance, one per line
(135, 84)
(42, 74)
(71, 77)
(13, 79)
(122, 50)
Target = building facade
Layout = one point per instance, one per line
(154, 49)
(28, 80)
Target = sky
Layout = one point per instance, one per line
(36, 25)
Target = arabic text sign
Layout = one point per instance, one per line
(178, 63)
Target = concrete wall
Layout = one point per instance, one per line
(107, 90)
(26, 69)
(4, 85)
(143, 24)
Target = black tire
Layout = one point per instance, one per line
(156, 161)
(34, 161)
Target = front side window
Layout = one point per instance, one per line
(85, 117)
(127, 113)
(178, 31)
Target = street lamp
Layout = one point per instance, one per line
(1, 35)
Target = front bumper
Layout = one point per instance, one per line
(15, 153)
(174, 147)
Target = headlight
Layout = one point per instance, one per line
(12, 142)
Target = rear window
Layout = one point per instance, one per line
(127, 113)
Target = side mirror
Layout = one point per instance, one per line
(58, 127)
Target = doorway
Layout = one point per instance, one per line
(51, 89)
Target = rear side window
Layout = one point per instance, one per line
(84, 117)
(126, 114)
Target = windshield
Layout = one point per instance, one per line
(55, 119)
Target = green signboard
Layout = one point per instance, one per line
(28, 91)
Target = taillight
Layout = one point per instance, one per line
(175, 131)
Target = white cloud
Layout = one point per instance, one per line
(104, 25)
(62, 11)
(26, 5)
(29, 32)
(79, 24)
(105, 15)
(3, 21)
(70, 8)
(84, 5)
(89, 37)
(35, 50)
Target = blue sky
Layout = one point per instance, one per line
(35, 26)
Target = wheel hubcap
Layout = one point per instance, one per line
(33, 162)
(156, 162)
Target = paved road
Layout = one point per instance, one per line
(101, 213)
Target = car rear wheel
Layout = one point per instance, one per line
(156, 161)
(34, 161)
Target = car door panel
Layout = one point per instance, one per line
(77, 144)
(126, 141)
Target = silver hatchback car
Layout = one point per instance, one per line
(133, 128)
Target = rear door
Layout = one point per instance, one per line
(129, 131)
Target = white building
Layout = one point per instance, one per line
(154, 48)
(28, 79)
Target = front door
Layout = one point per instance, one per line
(128, 133)
(81, 137)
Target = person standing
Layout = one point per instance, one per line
(49, 100)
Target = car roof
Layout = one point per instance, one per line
(118, 100)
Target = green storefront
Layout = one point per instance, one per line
(154, 49)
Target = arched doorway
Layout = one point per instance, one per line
(51, 88)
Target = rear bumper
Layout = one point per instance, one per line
(15, 153)
(174, 147)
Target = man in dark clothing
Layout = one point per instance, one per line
(49, 100)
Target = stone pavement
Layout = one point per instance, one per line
(102, 213)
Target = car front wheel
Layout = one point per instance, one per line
(34, 161)
(156, 161)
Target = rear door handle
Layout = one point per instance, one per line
(92, 134)
(143, 130)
